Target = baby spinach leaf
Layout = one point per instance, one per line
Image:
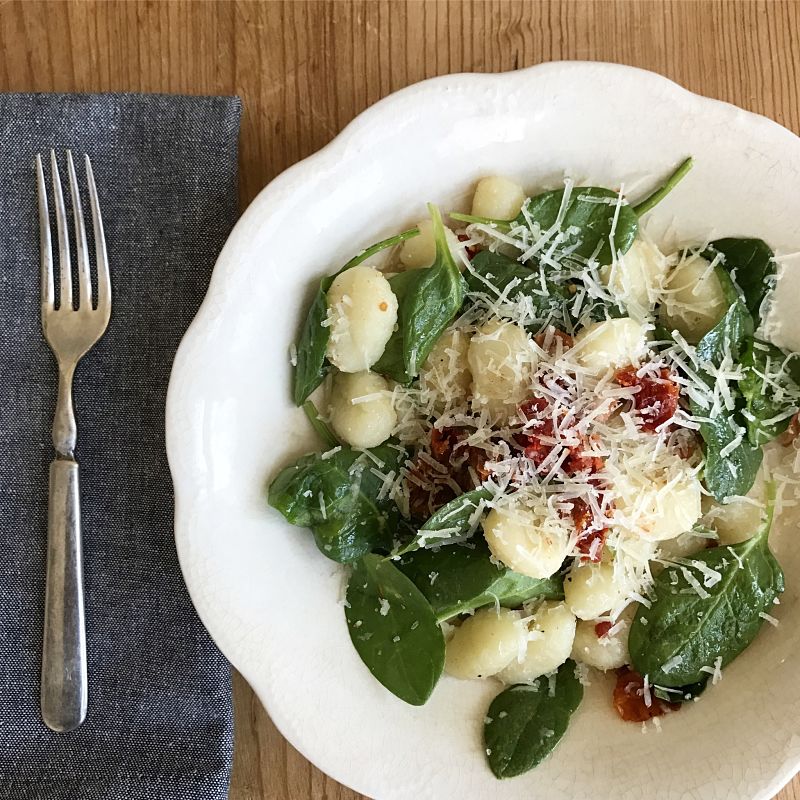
(525, 723)
(449, 524)
(322, 429)
(587, 220)
(687, 628)
(461, 578)
(730, 335)
(496, 275)
(393, 629)
(772, 401)
(651, 201)
(750, 262)
(734, 473)
(681, 694)
(336, 496)
(428, 300)
(312, 366)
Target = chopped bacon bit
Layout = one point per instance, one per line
(657, 399)
(470, 251)
(602, 628)
(629, 698)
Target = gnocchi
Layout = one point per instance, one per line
(637, 277)
(485, 643)
(361, 410)
(550, 638)
(662, 506)
(591, 590)
(500, 360)
(362, 313)
(693, 301)
(611, 343)
(527, 540)
(420, 251)
(446, 372)
(497, 198)
(603, 647)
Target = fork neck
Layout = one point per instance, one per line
(65, 430)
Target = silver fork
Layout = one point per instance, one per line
(71, 329)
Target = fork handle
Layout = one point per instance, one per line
(64, 690)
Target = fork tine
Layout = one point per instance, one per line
(81, 248)
(103, 275)
(46, 247)
(64, 264)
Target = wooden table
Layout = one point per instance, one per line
(304, 70)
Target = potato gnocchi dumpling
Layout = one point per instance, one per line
(500, 359)
(446, 372)
(603, 644)
(497, 198)
(361, 410)
(485, 643)
(362, 313)
(527, 540)
(692, 301)
(665, 504)
(420, 251)
(612, 343)
(550, 636)
(591, 590)
(637, 277)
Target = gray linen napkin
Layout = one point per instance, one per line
(160, 721)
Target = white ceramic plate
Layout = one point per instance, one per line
(268, 597)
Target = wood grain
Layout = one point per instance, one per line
(305, 69)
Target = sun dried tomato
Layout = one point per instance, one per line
(580, 459)
(588, 534)
(629, 698)
(538, 439)
(790, 434)
(657, 399)
(470, 251)
(566, 340)
(602, 628)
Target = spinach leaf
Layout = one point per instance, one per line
(461, 578)
(681, 694)
(524, 723)
(735, 472)
(591, 212)
(493, 273)
(730, 335)
(428, 300)
(586, 221)
(337, 497)
(686, 628)
(394, 630)
(312, 366)
(322, 429)
(750, 262)
(449, 524)
(771, 403)
(651, 201)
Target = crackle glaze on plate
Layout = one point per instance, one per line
(272, 602)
